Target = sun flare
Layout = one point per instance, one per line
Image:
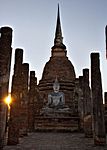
(8, 100)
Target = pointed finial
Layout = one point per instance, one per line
(58, 41)
(58, 33)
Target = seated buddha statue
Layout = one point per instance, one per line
(56, 98)
(56, 101)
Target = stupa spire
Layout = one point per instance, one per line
(58, 33)
(58, 41)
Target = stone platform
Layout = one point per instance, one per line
(64, 124)
(55, 141)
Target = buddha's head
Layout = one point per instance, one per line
(56, 86)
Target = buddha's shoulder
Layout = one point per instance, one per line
(56, 94)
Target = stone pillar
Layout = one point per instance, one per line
(81, 103)
(14, 124)
(105, 112)
(5, 63)
(24, 100)
(105, 100)
(78, 103)
(87, 104)
(31, 110)
(76, 97)
(97, 100)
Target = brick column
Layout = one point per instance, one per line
(31, 109)
(5, 63)
(24, 100)
(105, 111)
(81, 103)
(105, 100)
(87, 104)
(14, 124)
(97, 99)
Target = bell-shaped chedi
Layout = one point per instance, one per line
(59, 65)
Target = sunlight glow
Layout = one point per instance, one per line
(8, 100)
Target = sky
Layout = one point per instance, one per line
(34, 22)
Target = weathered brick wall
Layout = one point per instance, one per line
(64, 70)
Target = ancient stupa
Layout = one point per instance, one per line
(59, 65)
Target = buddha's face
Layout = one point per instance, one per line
(56, 88)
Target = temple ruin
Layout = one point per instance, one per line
(59, 102)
